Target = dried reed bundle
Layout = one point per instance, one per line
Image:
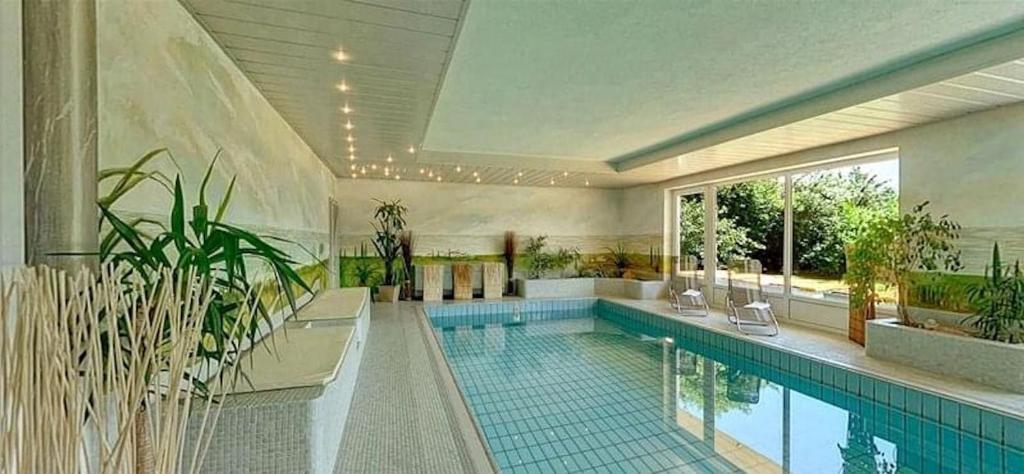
(92, 368)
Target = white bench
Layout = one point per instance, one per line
(292, 416)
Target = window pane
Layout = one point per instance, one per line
(828, 207)
(751, 224)
(691, 235)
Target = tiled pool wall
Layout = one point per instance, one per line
(479, 314)
(845, 388)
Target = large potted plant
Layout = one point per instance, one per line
(389, 223)
(888, 250)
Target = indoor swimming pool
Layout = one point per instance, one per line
(591, 385)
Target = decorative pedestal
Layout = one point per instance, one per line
(462, 281)
(433, 282)
(493, 280)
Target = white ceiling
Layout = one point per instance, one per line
(574, 93)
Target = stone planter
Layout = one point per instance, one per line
(556, 288)
(588, 287)
(388, 294)
(987, 362)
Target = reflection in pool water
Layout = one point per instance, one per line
(583, 393)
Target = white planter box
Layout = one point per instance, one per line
(556, 288)
(979, 360)
(588, 287)
(645, 290)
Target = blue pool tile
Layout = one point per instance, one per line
(949, 413)
(1013, 433)
(992, 426)
(930, 407)
(1014, 460)
(992, 456)
(970, 420)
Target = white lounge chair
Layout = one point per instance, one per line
(689, 300)
(745, 305)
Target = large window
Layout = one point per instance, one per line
(691, 235)
(827, 204)
(828, 208)
(752, 225)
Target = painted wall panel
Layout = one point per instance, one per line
(165, 83)
(473, 218)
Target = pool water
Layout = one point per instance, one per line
(585, 390)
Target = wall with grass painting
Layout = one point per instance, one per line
(453, 221)
(163, 82)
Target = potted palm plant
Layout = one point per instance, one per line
(390, 222)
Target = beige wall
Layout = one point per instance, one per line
(163, 82)
(473, 218)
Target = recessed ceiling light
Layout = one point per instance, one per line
(349, 126)
(390, 159)
(343, 86)
(346, 109)
(412, 149)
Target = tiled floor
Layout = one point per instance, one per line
(837, 349)
(401, 419)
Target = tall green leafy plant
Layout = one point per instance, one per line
(198, 241)
(888, 250)
(539, 261)
(390, 222)
(999, 301)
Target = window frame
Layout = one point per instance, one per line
(710, 188)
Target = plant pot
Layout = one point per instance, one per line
(987, 362)
(858, 318)
(387, 294)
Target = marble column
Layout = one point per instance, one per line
(60, 131)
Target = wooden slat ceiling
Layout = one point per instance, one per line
(397, 53)
(993, 87)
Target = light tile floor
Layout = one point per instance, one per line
(402, 419)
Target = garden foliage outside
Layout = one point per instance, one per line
(828, 209)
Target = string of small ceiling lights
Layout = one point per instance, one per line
(389, 171)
